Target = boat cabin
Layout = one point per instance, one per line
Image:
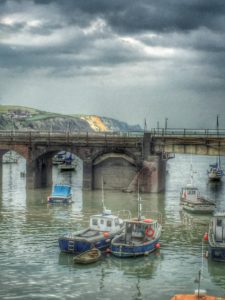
(144, 229)
(218, 224)
(60, 190)
(105, 222)
(190, 193)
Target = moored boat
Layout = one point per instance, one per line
(88, 257)
(196, 296)
(216, 237)
(141, 236)
(215, 173)
(199, 294)
(61, 194)
(69, 164)
(59, 158)
(192, 201)
(102, 229)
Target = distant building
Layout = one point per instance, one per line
(19, 114)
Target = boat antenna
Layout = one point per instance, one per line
(139, 204)
(191, 169)
(103, 199)
(199, 282)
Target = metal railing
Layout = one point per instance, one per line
(155, 132)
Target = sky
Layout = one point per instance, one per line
(132, 60)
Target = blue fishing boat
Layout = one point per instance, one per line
(102, 229)
(61, 194)
(141, 236)
(216, 237)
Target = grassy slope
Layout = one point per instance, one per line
(35, 113)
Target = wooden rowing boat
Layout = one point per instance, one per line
(88, 257)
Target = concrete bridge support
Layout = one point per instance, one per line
(39, 172)
(1, 171)
(151, 177)
(87, 174)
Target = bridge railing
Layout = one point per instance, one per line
(25, 136)
(187, 132)
(49, 134)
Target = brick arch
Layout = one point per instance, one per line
(20, 149)
(122, 153)
(116, 168)
(49, 153)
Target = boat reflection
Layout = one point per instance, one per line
(142, 267)
(193, 220)
(216, 272)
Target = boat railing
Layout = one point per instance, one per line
(155, 215)
(124, 214)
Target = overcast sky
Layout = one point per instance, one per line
(126, 59)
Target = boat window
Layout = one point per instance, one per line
(219, 223)
(192, 192)
(94, 222)
(109, 223)
(101, 221)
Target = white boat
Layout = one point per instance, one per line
(69, 164)
(192, 201)
(215, 173)
(59, 158)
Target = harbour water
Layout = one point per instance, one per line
(32, 267)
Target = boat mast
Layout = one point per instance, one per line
(103, 200)
(139, 205)
(217, 130)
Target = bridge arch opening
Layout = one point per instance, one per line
(117, 170)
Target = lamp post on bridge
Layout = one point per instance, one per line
(217, 124)
(166, 119)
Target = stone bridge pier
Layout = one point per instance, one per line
(39, 172)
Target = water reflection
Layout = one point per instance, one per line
(216, 271)
(30, 256)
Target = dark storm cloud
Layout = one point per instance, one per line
(149, 51)
(143, 15)
(188, 24)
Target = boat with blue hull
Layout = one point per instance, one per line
(102, 229)
(141, 236)
(216, 237)
(61, 194)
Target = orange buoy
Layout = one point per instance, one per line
(106, 234)
(157, 245)
(148, 220)
(206, 237)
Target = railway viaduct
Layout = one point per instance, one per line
(122, 159)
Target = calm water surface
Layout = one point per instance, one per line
(32, 267)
